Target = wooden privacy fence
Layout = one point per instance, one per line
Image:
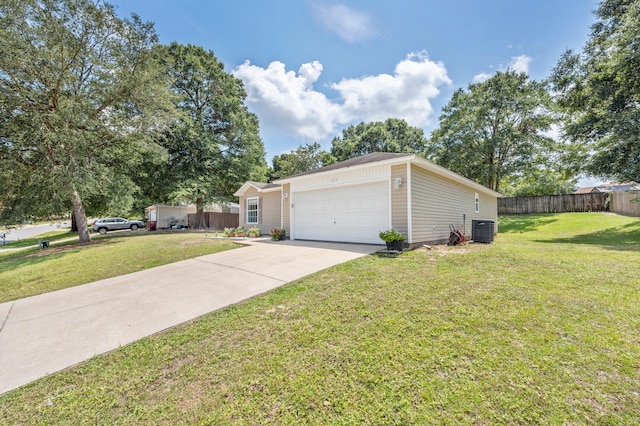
(593, 202)
(626, 203)
(215, 220)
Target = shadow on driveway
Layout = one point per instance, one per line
(327, 245)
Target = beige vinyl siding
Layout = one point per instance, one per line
(286, 208)
(437, 202)
(488, 211)
(268, 210)
(399, 210)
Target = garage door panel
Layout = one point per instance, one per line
(347, 214)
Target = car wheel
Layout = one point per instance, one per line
(134, 227)
(102, 231)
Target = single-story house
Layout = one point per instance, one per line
(587, 190)
(609, 187)
(165, 217)
(353, 200)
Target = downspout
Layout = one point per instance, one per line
(389, 171)
(281, 207)
(409, 215)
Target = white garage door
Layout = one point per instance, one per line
(353, 214)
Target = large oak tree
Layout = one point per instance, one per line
(302, 159)
(392, 135)
(600, 91)
(78, 98)
(214, 145)
(495, 129)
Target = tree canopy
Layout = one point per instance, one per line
(392, 135)
(302, 159)
(600, 92)
(214, 145)
(495, 130)
(79, 98)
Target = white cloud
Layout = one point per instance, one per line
(520, 63)
(287, 101)
(517, 64)
(483, 76)
(350, 25)
(405, 94)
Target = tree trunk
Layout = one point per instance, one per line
(199, 214)
(81, 217)
(74, 224)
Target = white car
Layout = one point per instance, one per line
(115, 223)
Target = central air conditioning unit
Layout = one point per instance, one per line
(482, 231)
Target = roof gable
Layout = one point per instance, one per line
(259, 186)
(586, 190)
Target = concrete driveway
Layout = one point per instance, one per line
(43, 334)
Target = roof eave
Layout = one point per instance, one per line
(240, 192)
(390, 161)
(431, 166)
(411, 158)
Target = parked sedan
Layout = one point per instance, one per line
(115, 223)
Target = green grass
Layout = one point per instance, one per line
(540, 327)
(52, 237)
(33, 271)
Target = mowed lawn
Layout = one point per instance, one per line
(541, 327)
(33, 271)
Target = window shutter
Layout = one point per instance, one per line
(244, 212)
(259, 209)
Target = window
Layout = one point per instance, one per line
(477, 203)
(252, 210)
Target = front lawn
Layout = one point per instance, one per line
(57, 235)
(540, 327)
(33, 271)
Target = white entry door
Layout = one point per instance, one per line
(355, 213)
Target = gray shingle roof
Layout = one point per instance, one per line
(374, 157)
(261, 185)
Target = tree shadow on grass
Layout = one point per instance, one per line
(524, 223)
(30, 257)
(623, 238)
(32, 241)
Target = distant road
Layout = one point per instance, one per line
(29, 231)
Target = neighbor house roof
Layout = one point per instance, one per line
(624, 186)
(608, 187)
(393, 158)
(587, 190)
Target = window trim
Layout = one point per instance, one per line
(257, 210)
(477, 202)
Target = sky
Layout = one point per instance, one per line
(313, 67)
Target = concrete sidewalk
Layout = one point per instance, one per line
(43, 334)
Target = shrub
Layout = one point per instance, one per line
(391, 235)
(277, 234)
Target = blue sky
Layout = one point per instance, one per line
(311, 68)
